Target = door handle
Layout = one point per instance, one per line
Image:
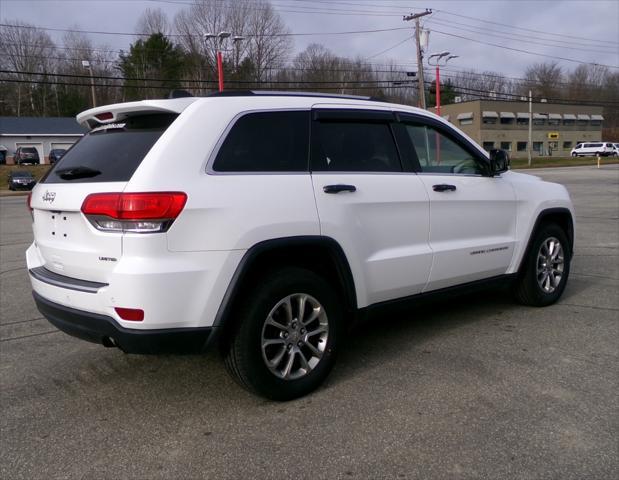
(444, 188)
(339, 188)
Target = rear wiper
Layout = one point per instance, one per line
(72, 173)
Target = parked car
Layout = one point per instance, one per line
(56, 154)
(603, 149)
(21, 180)
(616, 147)
(26, 156)
(268, 250)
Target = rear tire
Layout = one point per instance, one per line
(287, 335)
(545, 269)
(574, 154)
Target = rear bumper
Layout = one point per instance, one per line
(106, 331)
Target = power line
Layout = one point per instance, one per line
(389, 49)
(291, 84)
(301, 34)
(519, 39)
(523, 51)
(525, 29)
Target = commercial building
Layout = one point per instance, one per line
(556, 128)
(42, 133)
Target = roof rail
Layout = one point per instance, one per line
(278, 93)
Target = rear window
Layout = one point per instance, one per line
(29, 150)
(111, 153)
(22, 174)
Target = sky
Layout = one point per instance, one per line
(566, 31)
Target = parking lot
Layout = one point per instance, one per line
(477, 388)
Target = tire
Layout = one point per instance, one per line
(246, 358)
(538, 283)
(574, 154)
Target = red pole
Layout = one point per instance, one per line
(438, 91)
(220, 71)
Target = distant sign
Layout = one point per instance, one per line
(553, 135)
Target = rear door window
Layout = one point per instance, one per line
(266, 142)
(110, 153)
(354, 146)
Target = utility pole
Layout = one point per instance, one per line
(416, 17)
(529, 145)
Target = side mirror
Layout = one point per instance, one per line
(499, 161)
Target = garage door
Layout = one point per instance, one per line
(38, 146)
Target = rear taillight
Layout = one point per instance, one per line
(150, 212)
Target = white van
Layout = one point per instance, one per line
(602, 149)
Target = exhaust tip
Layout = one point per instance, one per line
(109, 342)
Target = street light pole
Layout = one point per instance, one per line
(86, 64)
(221, 36)
(438, 57)
(407, 18)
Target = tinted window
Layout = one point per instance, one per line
(114, 152)
(266, 142)
(29, 150)
(440, 154)
(350, 146)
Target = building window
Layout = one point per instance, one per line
(507, 121)
(521, 146)
(554, 119)
(488, 146)
(465, 118)
(568, 122)
(539, 120)
(538, 147)
(506, 146)
(523, 119)
(596, 123)
(490, 120)
(567, 145)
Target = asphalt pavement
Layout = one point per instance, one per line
(479, 387)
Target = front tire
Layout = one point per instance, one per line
(545, 270)
(286, 341)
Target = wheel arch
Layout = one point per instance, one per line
(562, 217)
(320, 254)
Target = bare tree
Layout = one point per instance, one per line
(544, 80)
(153, 20)
(27, 51)
(266, 45)
(269, 41)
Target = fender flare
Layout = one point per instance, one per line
(540, 220)
(243, 269)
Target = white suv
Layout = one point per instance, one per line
(265, 223)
